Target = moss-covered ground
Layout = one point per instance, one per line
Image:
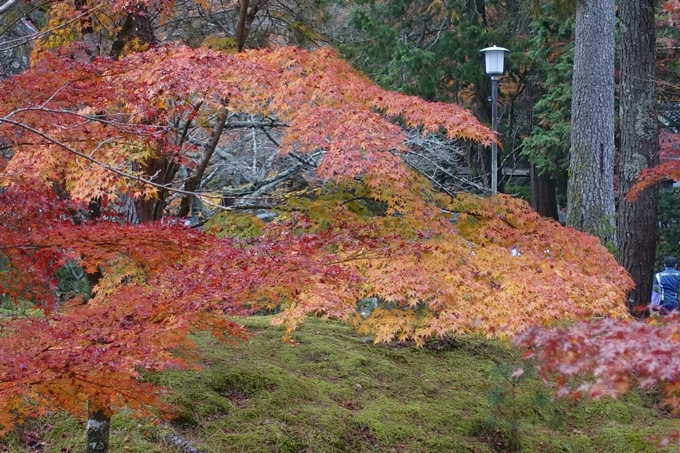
(334, 391)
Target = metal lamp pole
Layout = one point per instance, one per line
(493, 57)
(494, 129)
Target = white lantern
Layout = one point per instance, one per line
(494, 60)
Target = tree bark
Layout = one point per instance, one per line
(246, 16)
(543, 193)
(637, 220)
(162, 171)
(195, 179)
(7, 5)
(98, 426)
(158, 169)
(590, 190)
(136, 25)
(241, 25)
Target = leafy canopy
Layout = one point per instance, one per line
(82, 134)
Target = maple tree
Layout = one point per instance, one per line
(88, 135)
(608, 357)
(668, 167)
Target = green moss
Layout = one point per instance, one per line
(336, 392)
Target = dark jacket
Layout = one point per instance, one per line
(667, 283)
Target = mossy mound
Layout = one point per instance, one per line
(334, 391)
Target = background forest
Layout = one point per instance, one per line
(170, 167)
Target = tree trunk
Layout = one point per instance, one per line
(590, 190)
(136, 25)
(98, 426)
(636, 221)
(159, 170)
(246, 16)
(543, 193)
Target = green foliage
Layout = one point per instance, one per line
(71, 281)
(669, 226)
(355, 196)
(552, 52)
(391, 62)
(432, 50)
(11, 309)
(504, 418)
(422, 49)
(220, 43)
(336, 392)
(519, 190)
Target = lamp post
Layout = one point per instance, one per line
(493, 59)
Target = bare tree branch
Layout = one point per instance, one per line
(89, 158)
(441, 161)
(7, 6)
(195, 179)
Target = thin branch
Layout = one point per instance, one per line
(8, 4)
(303, 160)
(357, 198)
(185, 132)
(439, 32)
(117, 124)
(268, 184)
(194, 180)
(256, 124)
(104, 165)
(271, 139)
(24, 39)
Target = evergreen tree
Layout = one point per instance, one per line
(637, 220)
(590, 205)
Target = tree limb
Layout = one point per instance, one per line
(89, 158)
(7, 6)
(241, 27)
(183, 444)
(195, 179)
(257, 124)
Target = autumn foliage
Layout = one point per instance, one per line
(325, 104)
(668, 169)
(608, 357)
(83, 133)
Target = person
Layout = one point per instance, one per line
(667, 283)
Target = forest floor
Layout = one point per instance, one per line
(334, 391)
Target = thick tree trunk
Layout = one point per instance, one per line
(159, 170)
(590, 190)
(636, 221)
(136, 25)
(543, 193)
(98, 426)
